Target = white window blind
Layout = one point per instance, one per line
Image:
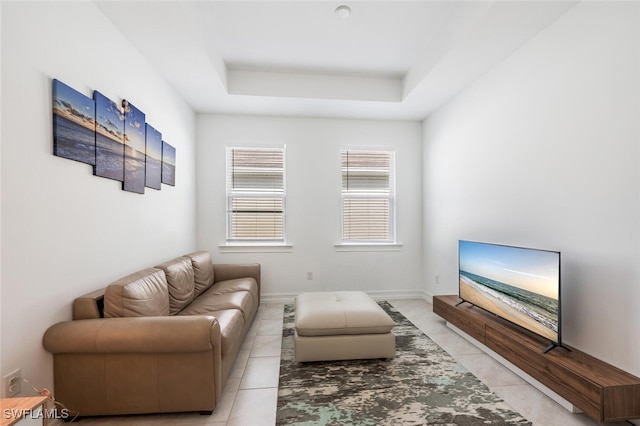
(368, 195)
(255, 194)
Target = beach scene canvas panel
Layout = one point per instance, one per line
(168, 164)
(109, 138)
(134, 148)
(73, 124)
(154, 158)
(520, 285)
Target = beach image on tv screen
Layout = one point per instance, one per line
(519, 284)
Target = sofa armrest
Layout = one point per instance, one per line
(89, 306)
(172, 334)
(136, 365)
(230, 271)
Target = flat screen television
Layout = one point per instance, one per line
(521, 285)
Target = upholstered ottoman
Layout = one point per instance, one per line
(341, 325)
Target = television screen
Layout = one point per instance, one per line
(521, 285)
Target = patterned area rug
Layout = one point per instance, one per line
(421, 385)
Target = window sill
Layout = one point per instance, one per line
(369, 246)
(256, 248)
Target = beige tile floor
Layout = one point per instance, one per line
(250, 395)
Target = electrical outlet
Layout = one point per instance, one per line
(437, 278)
(12, 384)
(309, 275)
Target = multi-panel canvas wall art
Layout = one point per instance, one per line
(134, 148)
(154, 158)
(168, 164)
(115, 140)
(109, 138)
(74, 124)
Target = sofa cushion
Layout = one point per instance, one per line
(339, 313)
(238, 284)
(179, 273)
(231, 324)
(209, 302)
(143, 293)
(202, 270)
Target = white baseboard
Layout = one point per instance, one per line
(397, 294)
(375, 294)
(277, 297)
(429, 296)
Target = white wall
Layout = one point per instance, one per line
(313, 201)
(64, 231)
(543, 152)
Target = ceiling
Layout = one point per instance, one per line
(388, 60)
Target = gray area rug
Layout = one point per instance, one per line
(421, 385)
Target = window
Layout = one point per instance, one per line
(255, 194)
(368, 196)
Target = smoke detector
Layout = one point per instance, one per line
(343, 11)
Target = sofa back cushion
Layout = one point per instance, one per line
(179, 273)
(141, 294)
(203, 271)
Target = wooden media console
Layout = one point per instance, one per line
(602, 391)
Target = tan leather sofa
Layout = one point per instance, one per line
(162, 339)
